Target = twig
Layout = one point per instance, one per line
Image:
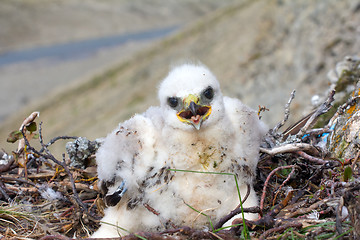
(311, 158)
(276, 210)
(56, 237)
(28, 190)
(289, 148)
(266, 221)
(284, 182)
(280, 229)
(356, 182)
(3, 192)
(184, 230)
(150, 209)
(182, 233)
(309, 209)
(267, 182)
(48, 155)
(323, 108)
(52, 141)
(18, 180)
(76, 195)
(233, 213)
(23, 147)
(71, 209)
(216, 236)
(287, 113)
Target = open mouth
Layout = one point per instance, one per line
(195, 116)
(201, 111)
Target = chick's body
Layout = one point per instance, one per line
(149, 151)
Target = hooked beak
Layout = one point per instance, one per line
(193, 112)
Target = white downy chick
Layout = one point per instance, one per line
(195, 128)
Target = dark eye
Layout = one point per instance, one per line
(173, 102)
(209, 93)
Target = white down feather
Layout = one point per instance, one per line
(143, 149)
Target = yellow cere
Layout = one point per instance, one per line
(189, 99)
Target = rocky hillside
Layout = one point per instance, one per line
(260, 50)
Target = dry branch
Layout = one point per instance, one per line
(280, 229)
(290, 148)
(323, 108)
(286, 113)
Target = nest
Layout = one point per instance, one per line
(308, 179)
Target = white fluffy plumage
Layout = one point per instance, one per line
(195, 128)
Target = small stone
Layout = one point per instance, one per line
(80, 150)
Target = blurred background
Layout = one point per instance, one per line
(86, 65)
